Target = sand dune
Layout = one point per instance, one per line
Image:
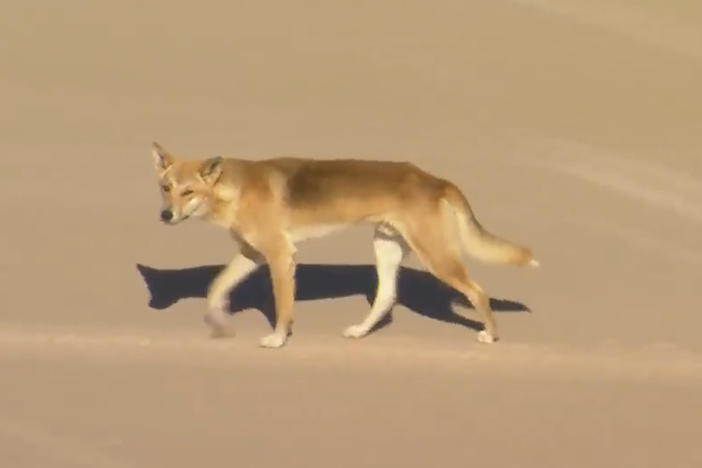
(572, 126)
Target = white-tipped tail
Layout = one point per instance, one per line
(481, 244)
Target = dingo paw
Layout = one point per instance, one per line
(219, 326)
(485, 337)
(355, 331)
(219, 331)
(274, 340)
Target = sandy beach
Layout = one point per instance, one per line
(573, 127)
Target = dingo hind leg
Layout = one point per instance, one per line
(440, 253)
(390, 250)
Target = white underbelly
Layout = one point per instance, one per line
(314, 231)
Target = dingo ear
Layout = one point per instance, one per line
(162, 159)
(211, 169)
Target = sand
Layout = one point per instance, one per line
(573, 126)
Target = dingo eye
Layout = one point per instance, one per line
(187, 192)
(166, 188)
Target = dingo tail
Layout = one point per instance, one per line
(480, 243)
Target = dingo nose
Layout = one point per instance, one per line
(166, 215)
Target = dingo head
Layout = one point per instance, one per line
(186, 185)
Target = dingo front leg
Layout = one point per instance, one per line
(218, 294)
(282, 270)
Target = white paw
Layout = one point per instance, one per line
(274, 340)
(219, 324)
(219, 331)
(355, 331)
(485, 337)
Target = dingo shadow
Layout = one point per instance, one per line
(417, 290)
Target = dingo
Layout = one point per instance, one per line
(269, 205)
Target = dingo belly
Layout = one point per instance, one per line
(314, 231)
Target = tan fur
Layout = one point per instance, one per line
(271, 204)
